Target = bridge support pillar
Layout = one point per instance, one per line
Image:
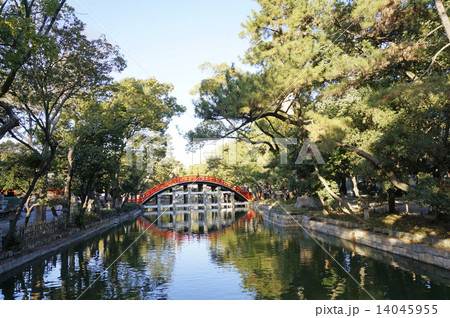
(185, 196)
(159, 218)
(213, 198)
(189, 222)
(219, 219)
(173, 201)
(233, 207)
(159, 209)
(174, 220)
(205, 225)
(219, 199)
(205, 202)
(189, 198)
(158, 202)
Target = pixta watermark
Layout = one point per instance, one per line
(247, 152)
(141, 154)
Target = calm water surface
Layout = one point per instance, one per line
(243, 261)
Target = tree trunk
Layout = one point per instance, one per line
(114, 196)
(28, 215)
(68, 186)
(377, 163)
(83, 204)
(29, 210)
(343, 186)
(300, 121)
(12, 122)
(443, 16)
(96, 203)
(345, 206)
(326, 208)
(52, 208)
(84, 197)
(355, 186)
(391, 200)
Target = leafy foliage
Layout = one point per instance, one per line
(360, 78)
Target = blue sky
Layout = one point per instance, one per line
(169, 40)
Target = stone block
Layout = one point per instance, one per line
(403, 251)
(442, 253)
(447, 263)
(395, 250)
(428, 258)
(379, 239)
(439, 261)
(384, 240)
(418, 248)
(401, 243)
(433, 251)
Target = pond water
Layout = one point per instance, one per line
(245, 260)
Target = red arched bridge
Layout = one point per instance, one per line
(212, 181)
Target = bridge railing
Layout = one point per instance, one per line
(147, 194)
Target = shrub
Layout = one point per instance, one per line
(14, 243)
(130, 206)
(80, 219)
(106, 213)
(428, 191)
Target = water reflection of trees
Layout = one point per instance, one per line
(272, 265)
(277, 266)
(142, 272)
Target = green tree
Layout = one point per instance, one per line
(360, 75)
(46, 83)
(25, 28)
(136, 111)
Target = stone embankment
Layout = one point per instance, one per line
(418, 247)
(74, 236)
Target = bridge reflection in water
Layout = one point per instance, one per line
(197, 208)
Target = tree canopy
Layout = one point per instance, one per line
(367, 80)
(64, 120)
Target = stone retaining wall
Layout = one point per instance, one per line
(427, 271)
(418, 247)
(10, 264)
(280, 218)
